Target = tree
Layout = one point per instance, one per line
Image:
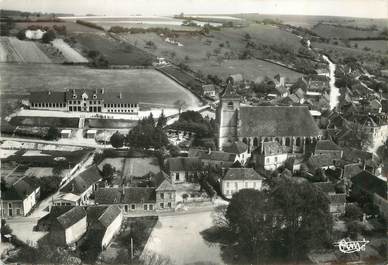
(162, 121)
(53, 134)
(180, 104)
(21, 35)
(353, 212)
(304, 221)
(107, 173)
(48, 36)
(247, 37)
(117, 140)
(250, 219)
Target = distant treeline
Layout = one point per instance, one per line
(89, 24)
(370, 38)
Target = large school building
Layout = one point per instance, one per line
(84, 100)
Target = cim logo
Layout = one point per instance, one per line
(351, 246)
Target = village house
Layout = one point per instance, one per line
(183, 169)
(160, 197)
(215, 159)
(240, 149)
(237, 179)
(84, 100)
(292, 127)
(375, 188)
(80, 187)
(67, 228)
(104, 222)
(337, 200)
(328, 147)
(272, 156)
(20, 198)
(209, 90)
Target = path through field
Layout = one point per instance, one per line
(21, 51)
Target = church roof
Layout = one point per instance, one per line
(229, 92)
(277, 121)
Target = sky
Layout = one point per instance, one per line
(353, 8)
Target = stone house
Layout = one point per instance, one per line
(183, 169)
(209, 90)
(82, 186)
(20, 198)
(328, 147)
(215, 159)
(237, 179)
(272, 156)
(337, 200)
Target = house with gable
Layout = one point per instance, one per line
(183, 169)
(20, 198)
(328, 147)
(272, 156)
(240, 149)
(81, 187)
(104, 222)
(237, 179)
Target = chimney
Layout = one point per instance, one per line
(121, 95)
(102, 91)
(209, 151)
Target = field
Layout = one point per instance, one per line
(339, 32)
(45, 122)
(115, 52)
(146, 86)
(15, 50)
(71, 55)
(117, 163)
(380, 46)
(110, 123)
(251, 69)
(71, 27)
(139, 167)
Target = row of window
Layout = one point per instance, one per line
(147, 207)
(268, 160)
(48, 105)
(247, 184)
(121, 110)
(121, 105)
(91, 102)
(168, 195)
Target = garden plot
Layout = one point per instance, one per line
(71, 55)
(21, 51)
(139, 167)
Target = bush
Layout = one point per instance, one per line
(48, 36)
(53, 134)
(117, 140)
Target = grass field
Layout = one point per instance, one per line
(251, 69)
(15, 50)
(146, 85)
(71, 55)
(380, 46)
(115, 52)
(117, 163)
(330, 31)
(71, 27)
(139, 167)
(110, 123)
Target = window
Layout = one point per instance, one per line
(161, 205)
(74, 96)
(267, 160)
(227, 184)
(276, 159)
(236, 185)
(254, 184)
(133, 206)
(145, 207)
(230, 105)
(94, 96)
(170, 195)
(9, 205)
(162, 195)
(177, 176)
(169, 205)
(17, 211)
(151, 207)
(246, 184)
(126, 208)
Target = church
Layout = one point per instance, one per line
(292, 127)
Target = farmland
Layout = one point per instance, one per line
(380, 46)
(145, 85)
(71, 55)
(115, 52)
(71, 27)
(45, 121)
(19, 51)
(341, 32)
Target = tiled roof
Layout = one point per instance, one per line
(183, 164)
(92, 94)
(109, 215)
(71, 217)
(47, 96)
(55, 212)
(322, 160)
(242, 174)
(354, 155)
(161, 181)
(326, 187)
(236, 147)
(20, 189)
(220, 156)
(370, 183)
(83, 181)
(194, 152)
(326, 145)
(108, 195)
(229, 92)
(165, 185)
(351, 170)
(277, 121)
(273, 148)
(139, 195)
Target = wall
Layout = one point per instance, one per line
(76, 231)
(241, 184)
(182, 177)
(169, 197)
(112, 229)
(30, 201)
(15, 205)
(382, 204)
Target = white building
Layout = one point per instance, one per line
(272, 156)
(237, 179)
